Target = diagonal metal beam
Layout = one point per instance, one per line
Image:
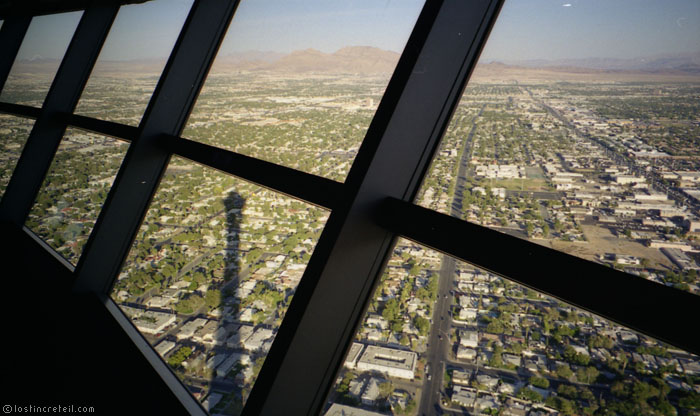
(20, 110)
(314, 189)
(62, 98)
(103, 127)
(146, 159)
(145, 162)
(628, 300)
(349, 257)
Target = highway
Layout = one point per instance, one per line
(439, 338)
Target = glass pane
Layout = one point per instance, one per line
(14, 132)
(297, 83)
(211, 274)
(132, 59)
(441, 335)
(583, 136)
(38, 58)
(74, 190)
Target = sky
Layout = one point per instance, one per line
(570, 29)
(526, 29)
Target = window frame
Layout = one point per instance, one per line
(368, 211)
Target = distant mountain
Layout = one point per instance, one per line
(348, 60)
(49, 66)
(351, 59)
(680, 62)
(371, 60)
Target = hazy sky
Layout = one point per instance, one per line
(526, 29)
(546, 29)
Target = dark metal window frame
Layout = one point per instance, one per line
(368, 211)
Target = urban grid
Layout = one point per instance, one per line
(603, 165)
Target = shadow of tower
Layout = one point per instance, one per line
(227, 377)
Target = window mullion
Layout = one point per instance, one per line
(146, 159)
(626, 299)
(62, 98)
(144, 164)
(339, 280)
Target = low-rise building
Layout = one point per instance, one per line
(344, 410)
(164, 347)
(212, 400)
(152, 322)
(680, 259)
(464, 353)
(461, 377)
(188, 329)
(463, 397)
(488, 381)
(355, 388)
(486, 401)
(468, 338)
(515, 408)
(390, 361)
(257, 340)
(353, 355)
(228, 363)
(512, 359)
(371, 393)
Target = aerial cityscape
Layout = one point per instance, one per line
(599, 159)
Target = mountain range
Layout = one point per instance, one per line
(371, 60)
(682, 62)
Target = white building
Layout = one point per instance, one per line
(164, 347)
(628, 179)
(256, 341)
(461, 377)
(390, 361)
(188, 329)
(353, 355)
(468, 338)
(230, 361)
(464, 353)
(463, 397)
(151, 322)
(343, 410)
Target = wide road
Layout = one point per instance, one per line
(439, 339)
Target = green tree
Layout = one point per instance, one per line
(386, 389)
(566, 407)
(178, 357)
(495, 327)
(587, 374)
(528, 394)
(422, 324)
(567, 390)
(565, 372)
(212, 299)
(497, 357)
(540, 382)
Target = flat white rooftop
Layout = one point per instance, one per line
(389, 357)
